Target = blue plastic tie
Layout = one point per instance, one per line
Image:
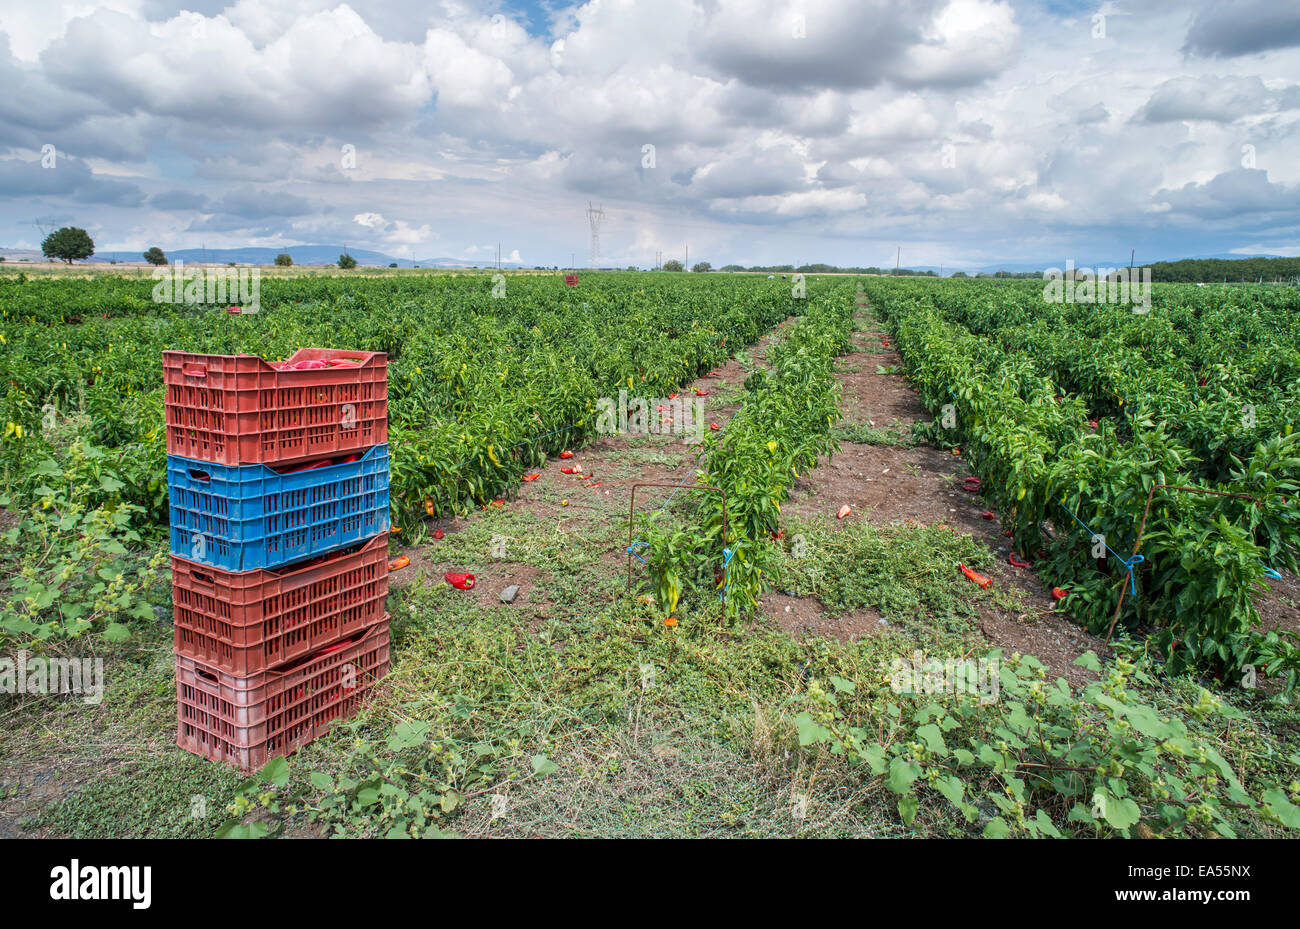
(726, 573)
(632, 550)
(1130, 562)
(1272, 572)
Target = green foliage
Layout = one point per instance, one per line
(1040, 761)
(155, 256)
(1014, 381)
(68, 244)
(782, 429)
(284, 260)
(903, 572)
(867, 434)
(347, 261)
(673, 264)
(1214, 270)
(674, 559)
(1276, 655)
(76, 562)
(154, 796)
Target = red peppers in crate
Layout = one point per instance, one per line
(241, 409)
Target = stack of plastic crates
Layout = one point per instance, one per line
(277, 476)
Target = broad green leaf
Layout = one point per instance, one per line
(275, 771)
(407, 734)
(1287, 813)
(952, 787)
(1045, 823)
(907, 806)
(1121, 813)
(809, 731)
(543, 766)
(996, 828)
(902, 772)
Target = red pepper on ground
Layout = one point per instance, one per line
(566, 454)
(461, 581)
(1058, 593)
(989, 514)
(438, 533)
(1014, 560)
(980, 580)
(532, 477)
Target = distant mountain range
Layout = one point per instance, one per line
(309, 255)
(321, 255)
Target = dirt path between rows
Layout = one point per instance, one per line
(920, 485)
(885, 484)
(598, 496)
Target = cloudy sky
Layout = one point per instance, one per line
(968, 132)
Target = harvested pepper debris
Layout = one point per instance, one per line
(461, 581)
(438, 533)
(1014, 560)
(980, 580)
(532, 477)
(1059, 594)
(845, 510)
(566, 454)
(398, 564)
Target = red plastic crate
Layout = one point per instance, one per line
(241, 409)
(249, 621)
(246, 721)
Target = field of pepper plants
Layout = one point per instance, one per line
(481, 387)
(1072, 414)
(689, 697)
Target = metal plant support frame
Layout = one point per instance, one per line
(1142, 528)
(631, 508)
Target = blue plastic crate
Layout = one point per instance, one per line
(240, 518)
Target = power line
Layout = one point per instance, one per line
(595, 216)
